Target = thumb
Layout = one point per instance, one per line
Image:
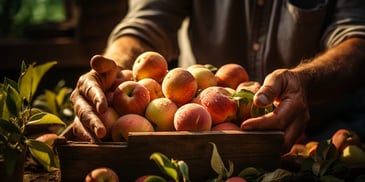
(269, 90)
(106, 68)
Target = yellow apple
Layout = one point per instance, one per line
(160, 112)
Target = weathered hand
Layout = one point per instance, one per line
(88, 97)
(285, 89)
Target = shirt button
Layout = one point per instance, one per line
(256, 46)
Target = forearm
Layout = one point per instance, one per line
(334, 72)
(125, 49)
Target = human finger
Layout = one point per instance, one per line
(87, 115)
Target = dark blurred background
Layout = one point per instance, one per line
(67, 31)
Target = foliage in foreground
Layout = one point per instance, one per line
(17, 114)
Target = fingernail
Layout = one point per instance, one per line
(263, 99)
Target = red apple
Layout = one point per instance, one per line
(47, 138)
(150, 65)
(129, 123)
(344, 137)
(123, 75)
(160, 112)
(102, 174)
(130, 97)
(230, 75)
(235, 179)
(153, 87)
(219, 103)
(225, 126)
(108, 118)
(179, 85)
(192, 117)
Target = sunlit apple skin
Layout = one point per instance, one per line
(204, 77)
(108, 118)
(226, 126)
(160, 112)
(150, 64)
(218, 102)
(235, 179)
(192, 117)
(48, 138)
(344, 137)
(153, 87)
(130, 97)
(129, 123)
(179, 85)
(230, 75)
(102, 174)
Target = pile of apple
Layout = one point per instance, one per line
(346, 142)
(150, 97)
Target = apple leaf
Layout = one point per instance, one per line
(277, 175)
(43, 153)
(29, 79)
(216, 161)
(45, 118)
(10, 156)
(13, 101)
(165, 165)
(51, 101)
(184, 170)
(251, 174)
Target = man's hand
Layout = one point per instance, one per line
(88, 97)
(291, 115)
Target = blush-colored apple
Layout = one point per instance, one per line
(104, 174)
(179, 85)
(344, 137)
(230, 75)
(204, 77)
(108, 118)
(150, 64)
(129, 123)
(153, 87)
(226, 126)
(160, 112)
(219, 103)
(130, 97)
(192, 117)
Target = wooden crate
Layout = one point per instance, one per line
(131, 159)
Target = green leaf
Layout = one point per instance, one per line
(307, 164)
(184, 170)
(6, 126)
(13, 101)
(43, 154)
(51, 99)
(10, 82)
(11, 156)
(45, 118)
(165, 165)
(62, 95)
(216, 161)
(277, 175)
(30, 78)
